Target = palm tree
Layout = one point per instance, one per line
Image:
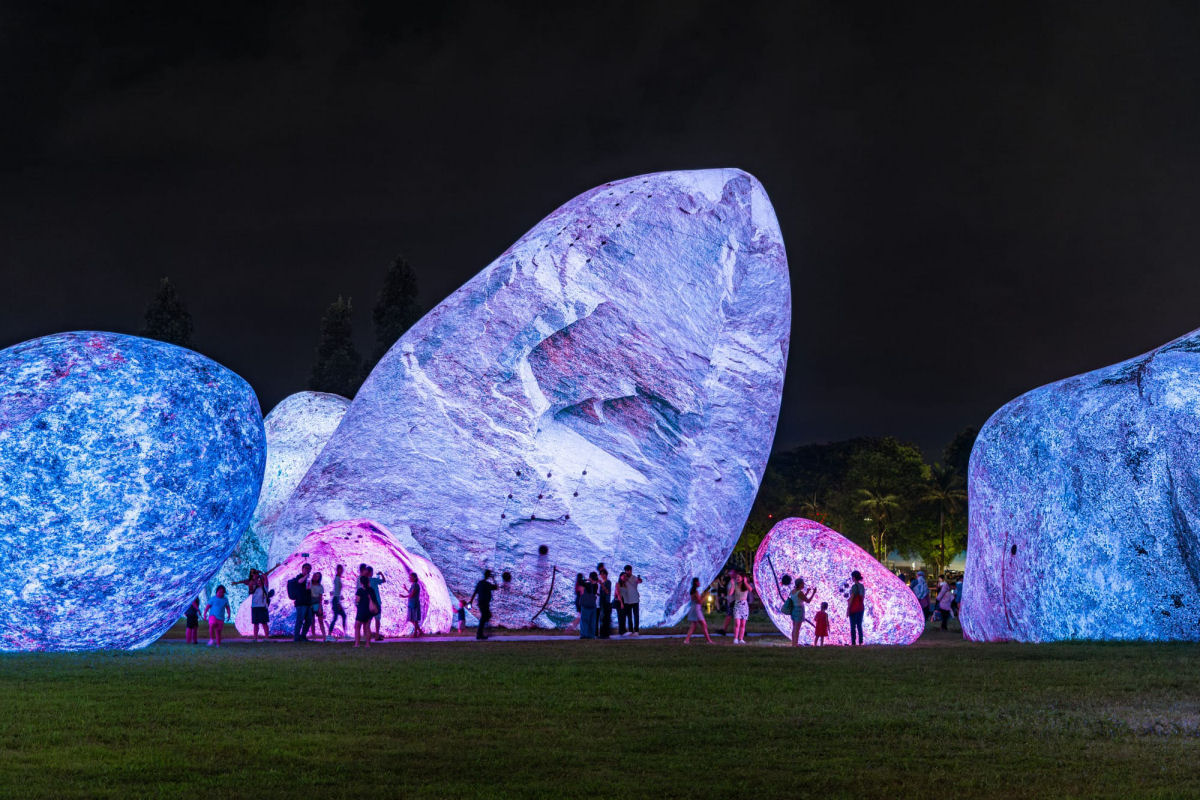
(879, 506)
(946, 493)
(812, 508)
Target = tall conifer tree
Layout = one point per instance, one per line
(397, 307)
(337, 366)
(167, 318)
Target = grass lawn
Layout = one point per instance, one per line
(942, 718)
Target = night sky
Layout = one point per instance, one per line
(975, 201)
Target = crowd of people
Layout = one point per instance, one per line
(597, 597)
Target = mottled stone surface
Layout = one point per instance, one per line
(130, 470)
(1085, 507)
(607, 388)
(350, 543)
(296, 430)
(824, 558)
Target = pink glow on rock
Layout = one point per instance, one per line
(824, 558)
(350, 543)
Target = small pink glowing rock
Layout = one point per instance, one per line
(801, 548)
(350, 543)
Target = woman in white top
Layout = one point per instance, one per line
(740, 594)
(318, 608)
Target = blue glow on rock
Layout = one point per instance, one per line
(1085, 507)
(131, 469)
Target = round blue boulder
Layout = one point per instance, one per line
(131, 468)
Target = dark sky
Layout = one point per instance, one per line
(975, 201)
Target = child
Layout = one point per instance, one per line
(217, 612)
(460, 612)
(318, 607)
(822, 626)
(193, 621)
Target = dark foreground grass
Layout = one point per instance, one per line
(606, 719)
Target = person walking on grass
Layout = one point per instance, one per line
(375, 582)
(856, 608)
(192, 618)
(365, 609)
(695, 615)
(798, 598)
(632, 600)
(301, 595)
(589, 604)
(739, 594)
(217, 612)
(414, 604)
(335, 603)
(921, 590)
(821, 625)
(483, 590)
(945, 599)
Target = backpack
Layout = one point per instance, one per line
(293, 588)
(789, 606)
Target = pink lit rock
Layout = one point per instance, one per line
(824, 558)
(350, 543)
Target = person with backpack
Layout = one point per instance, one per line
(857, 608)
(300, 594)
(794, 607)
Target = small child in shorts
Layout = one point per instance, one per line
(460, 613)
(822, 625)
(217, 612)
(192, 615)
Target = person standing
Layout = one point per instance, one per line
(589, 603)
(578, 621)
(317, 589)
(726, 595)
(217, 612)
(856, 608)
(958, 597)
(606, 591)
(259, 603)
(619, 599)
(945, 597)
(192, 617)
(483, 590)
(335, 601)
(364, 610)
(799, 597)
(740, 597)
(821, 625)
(300, 594)
(921, 590)
(632, 600)
(414, 604)
(375, 582)
(695, 615)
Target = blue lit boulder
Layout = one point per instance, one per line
(607, 389)
(130, 470)
(1085, 507)
(296, 430)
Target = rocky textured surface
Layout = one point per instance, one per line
(1085, 507)
(824, 558)
(130, 470)
(350, 543)
(607, 389)
(296, 430)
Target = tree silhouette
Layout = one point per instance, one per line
(167, 318)
(880, 507)
(337, 366)
(947, 496)
(397, 307)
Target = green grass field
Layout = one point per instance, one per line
(943, 718)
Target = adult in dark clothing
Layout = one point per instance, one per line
(589, 603)
(605, 627)
(483, 590)
(301, 595)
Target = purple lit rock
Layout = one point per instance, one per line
(607, 390)
(296, 431)
(824, 559)
(1085, 507)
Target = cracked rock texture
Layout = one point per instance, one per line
(130, 470)
(350, 543)
(1085, 507)
(802, 548)
(607, 389)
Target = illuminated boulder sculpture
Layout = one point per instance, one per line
(350, 543)
(296, 430)
(801, 548)
(1085, 507)
(130, 470)
(606, 390)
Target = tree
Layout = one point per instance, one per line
(397, 308)
(946, 494)
(880, 507)
(957, 455)
(337, 366)
(167, 318)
